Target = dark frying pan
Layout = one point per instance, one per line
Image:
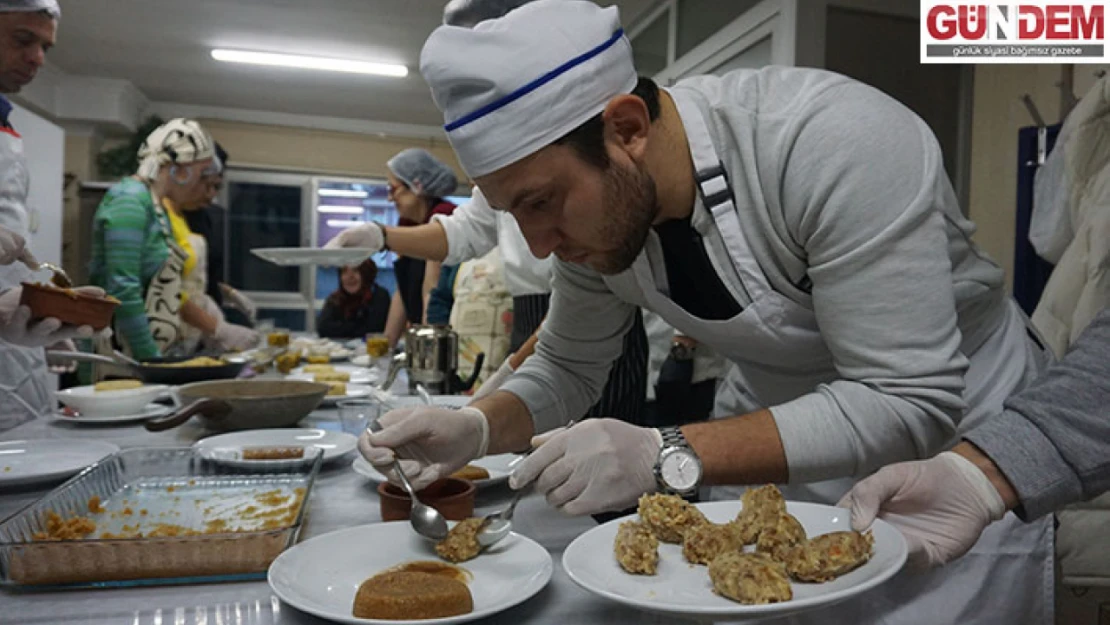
(244, 404)
(150, 373)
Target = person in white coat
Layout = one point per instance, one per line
(27, 30)
(796, 221)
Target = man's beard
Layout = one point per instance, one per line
(630, 195)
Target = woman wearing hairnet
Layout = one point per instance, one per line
(141, 248)
(418, 182)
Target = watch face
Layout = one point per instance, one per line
(681, 470)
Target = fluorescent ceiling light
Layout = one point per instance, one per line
(342, 193)
(342, 210)
(342, 223)
(310, 62)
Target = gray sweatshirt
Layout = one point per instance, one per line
(842, 195)
(1053, 440)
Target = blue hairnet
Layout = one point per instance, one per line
(467, 13)
(423, 173)
(27, 6)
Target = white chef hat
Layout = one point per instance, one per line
(179, 141)
(469, 12)
(511, 86)
(423, 173)
(27, 6)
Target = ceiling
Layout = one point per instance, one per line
(163, 47)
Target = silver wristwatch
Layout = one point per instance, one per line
(678, 469)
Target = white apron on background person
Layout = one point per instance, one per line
(25, 385)
(778, 350)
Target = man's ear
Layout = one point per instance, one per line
(627, 123)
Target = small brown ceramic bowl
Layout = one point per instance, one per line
(454, 498)
(70, 307)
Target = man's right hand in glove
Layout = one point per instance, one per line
(370, 235)
(432, 442)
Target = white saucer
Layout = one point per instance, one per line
(227, 448)
(23, 463)
(149, 412)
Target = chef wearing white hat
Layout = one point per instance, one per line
(796, 221)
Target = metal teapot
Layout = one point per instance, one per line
(432, 359)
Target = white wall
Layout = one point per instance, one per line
(44, 145)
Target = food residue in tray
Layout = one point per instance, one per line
(236, 512)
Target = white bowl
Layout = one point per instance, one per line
(92, 403)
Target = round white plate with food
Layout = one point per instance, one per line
(506, 575)
(101, 400)
(682, 589)
(354, 391)
(497, 468)
(297, 256)
(355, 375)
(149, 412)
(23, 463)
(250, 447)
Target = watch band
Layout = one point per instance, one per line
(672, 437)
(385, 241)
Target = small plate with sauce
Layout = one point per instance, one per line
(344, 560)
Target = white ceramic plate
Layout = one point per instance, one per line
(681, 589)
(506, 575)
(354, 391)
(23, 463)
(93, 403)
(148, 412)
(359, 375)
(499, 467)
(297, 256)
(227, 448)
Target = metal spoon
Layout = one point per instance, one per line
(497, 525)
(60, 279)
(425, 520)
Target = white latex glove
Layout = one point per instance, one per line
(237, 300)
(940, 505)
(496, 380)
(371, 235)
(431, 442)
(235, 338)
(17, 328)
(13, 248)
(595, 466)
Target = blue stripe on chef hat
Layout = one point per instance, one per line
(512, 86)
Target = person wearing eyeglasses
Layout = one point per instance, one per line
(141, 248)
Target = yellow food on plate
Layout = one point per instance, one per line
(332, 376)
(410, 596)
(471, 472)
(750, 578)
(272, 453)
(377, 346)
(636, 549)
(669, 516)
(200, 361)
(318, 368)
(761, 506)
(702, 543)
(779, 536)
(116, 385)
(318, 359)
(461, 543)
(287, 361)
(337, 389)
(828, 556)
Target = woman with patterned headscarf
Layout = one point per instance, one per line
(141, 249)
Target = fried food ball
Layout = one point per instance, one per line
(750, 578)
(761, 506)
(669, 516)
(780, 536)
(829, 556)
(461, 543)
(705, 542)
(636, 548)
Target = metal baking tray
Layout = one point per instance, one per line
(164, 516)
